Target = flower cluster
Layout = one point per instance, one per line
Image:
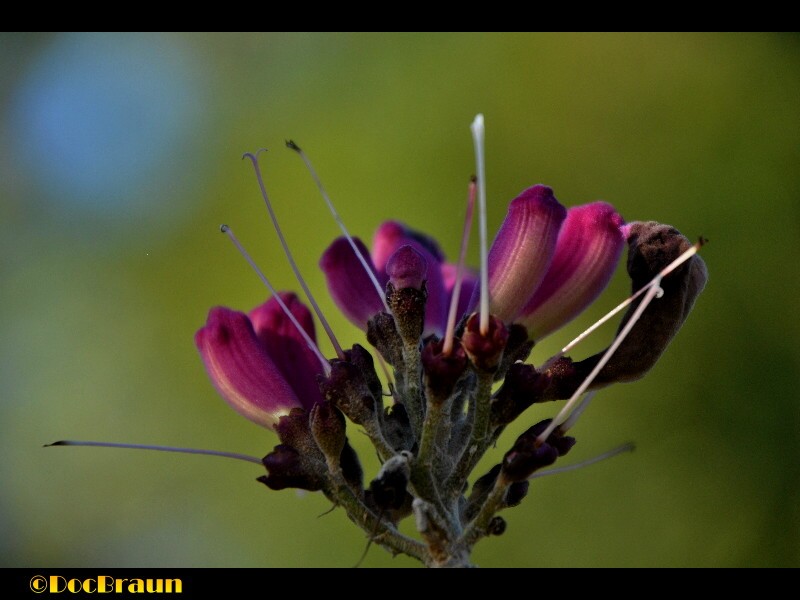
(454, 389)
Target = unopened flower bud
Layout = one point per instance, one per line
(389, 487)
(383, 335)
(527, 456)
(485, 351)
(288, 468)
(523, 386)
(328, 426)
(406, 293)
(294, 430)
(345, 388)
(397, 428)
(407, 268)
(361, 358)
(497, 526)
(441, 371)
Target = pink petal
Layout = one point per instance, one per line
(297, 363)
(522, 250)
(241, 369)
(348, 282)
(587, 253)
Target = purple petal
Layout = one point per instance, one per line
(522, 250)
(392, 235)
(469, 281)
(297, 363)
(348, 282)
(241, 369)
(587, 253)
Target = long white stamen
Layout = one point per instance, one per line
(629, 447)
(257, 168)
(234, 455)
(663, 273)
(326, 367)
(478, 135)
(653, 291)
(362, 259)
(447, 347)
(567, 425)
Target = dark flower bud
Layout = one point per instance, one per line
(361, 358)
(527, 456)
(288, 468)
(351, 467)
(516, 493)
(393, 515)
(480, 491)
(485, 351)
(346, 388)
(397, 428)
(328, 428)
(522, 387)
(497, 526)
(294, 430)
(388, 489)
(442, 372)
(651, 247)
(407, 268)
(408, 308)
(383, 335)
(518, 348)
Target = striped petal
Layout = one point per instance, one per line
(242, 370)
(286, 347)
(587, 253)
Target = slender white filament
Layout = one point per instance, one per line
(447, 347)
(629, 447)
(478, 135)
(257, 168)
(653, 291)
(326, 367)
(290, 144)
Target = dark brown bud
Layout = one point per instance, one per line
(651, 247)
(442, 372)
(288, 468)
(497, 526)
(480, 491)
(294, 430)
(528, 456)
(351, 467)
(518, 348)
(328, 427)
(361, 358)
(485, 351)
(388, 489)
(408, 308)
(397, 428)
(522, 387)
(516, 493)
(383, 335)
(346, 388)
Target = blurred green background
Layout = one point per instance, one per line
(120, 157)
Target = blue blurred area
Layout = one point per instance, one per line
(98, 116)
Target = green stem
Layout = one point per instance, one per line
(478, 528)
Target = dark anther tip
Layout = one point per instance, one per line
(223, 228)
(292, 146)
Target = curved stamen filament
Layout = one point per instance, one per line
(326, 367)
(362, 259)
(572, 419)
(653, 291)
(478, 134)
(629, 447)
(447, 347)
(233, 455)
(256, 167)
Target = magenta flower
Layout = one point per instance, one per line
(546, 265)
(259, 364)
